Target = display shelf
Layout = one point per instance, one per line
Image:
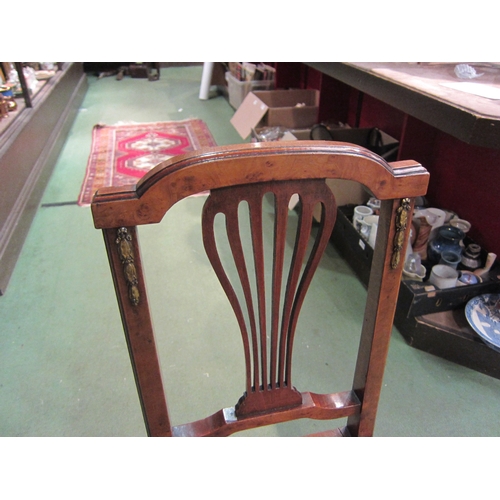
(7, 121)
(25, 97)
(29, 146)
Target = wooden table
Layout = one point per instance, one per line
(454, 134)
(421, 90)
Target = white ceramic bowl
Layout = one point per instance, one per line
(461, 224)
(444, 276)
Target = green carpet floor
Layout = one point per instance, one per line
(64, 367)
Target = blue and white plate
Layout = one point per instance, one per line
(483, 315)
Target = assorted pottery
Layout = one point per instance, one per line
(438, 254)
(436, 251)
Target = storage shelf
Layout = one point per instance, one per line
(29, 147)
(7, 121)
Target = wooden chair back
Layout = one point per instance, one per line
(247, 173)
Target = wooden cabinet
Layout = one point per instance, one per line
(29, 146)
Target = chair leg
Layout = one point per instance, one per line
(379, 315)
(125, 261)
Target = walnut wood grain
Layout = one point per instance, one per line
(383, 290)
(210, 168)
(245, 173)
(269, 381)
(139, 334)
(314, 406)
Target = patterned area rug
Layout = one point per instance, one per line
(122, 154)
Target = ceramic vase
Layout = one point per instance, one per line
(448, 239)
(471, 259)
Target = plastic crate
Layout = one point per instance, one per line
(238, 90)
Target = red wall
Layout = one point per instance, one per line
(466, 179)
(463, 178)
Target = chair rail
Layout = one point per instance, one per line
(211, 168)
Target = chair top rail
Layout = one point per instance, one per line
(211, 168)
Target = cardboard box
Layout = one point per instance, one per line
(349, 192)
(345, 192)
(302, 134)
(272, 108)
(238, 90)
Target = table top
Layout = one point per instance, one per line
(468, 109)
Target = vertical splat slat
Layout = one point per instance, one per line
(280, 224)
(263, 393)
(300, 249)
(209, 213)
(234, 237)
(255, 208)
(322, 238)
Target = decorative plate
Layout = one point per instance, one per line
(483, 314)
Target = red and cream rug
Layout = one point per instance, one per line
(122, 154)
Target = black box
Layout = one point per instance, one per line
(448, 335)
(139, 70)
(429, 319)
(374, 139)
(416, 298)
(419, 298)
(351, 245)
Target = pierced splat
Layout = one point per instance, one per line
(269, 367)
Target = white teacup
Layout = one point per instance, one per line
(372, 222)
(360, 212)
(444, 276)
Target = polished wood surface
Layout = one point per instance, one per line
(269, 391)
(420, 90)
(245, 173)
(209, 168)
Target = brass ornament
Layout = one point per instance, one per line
(402, 216)
(126, 254)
